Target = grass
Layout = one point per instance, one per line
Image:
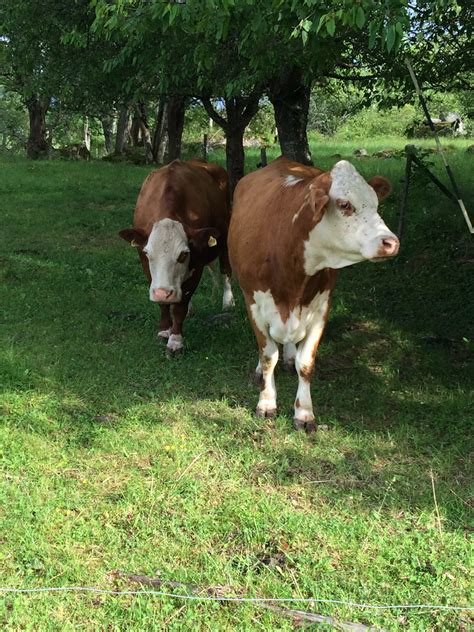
(114, 456)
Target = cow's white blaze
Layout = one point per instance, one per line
(340, 239)
(165, 244)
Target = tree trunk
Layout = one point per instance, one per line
(145, 131)
(235, 155)
(123, 132)
(107, 121)
(240, 111)
(176, 109)
(159, 134)
(37, 145)
(290, 95)
(135, 135)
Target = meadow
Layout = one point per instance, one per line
(114, 456)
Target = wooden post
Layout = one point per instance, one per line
(205, 148)
(263, 156)
(404, 194)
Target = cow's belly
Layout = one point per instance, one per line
(300, 321)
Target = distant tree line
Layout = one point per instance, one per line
(137, 66)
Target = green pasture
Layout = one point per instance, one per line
(114, 456)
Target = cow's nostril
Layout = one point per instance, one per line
(390, 244)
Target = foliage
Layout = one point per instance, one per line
(13, 122)
(374, 122)
(114, 456)
(331, 104)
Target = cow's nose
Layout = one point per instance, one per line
(390, 246)
(163, 295)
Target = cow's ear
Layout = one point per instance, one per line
(134, 236)
(319, 195)
(202, 238)
(381, 186)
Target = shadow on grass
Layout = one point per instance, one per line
(393, 377)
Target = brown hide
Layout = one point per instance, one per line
(266, 245)
(192, 192)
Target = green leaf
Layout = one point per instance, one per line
(173, 12)
(360, 17)
(373, 31)
(307, 24)
(304, 37)
(331, 26)
(390, 37)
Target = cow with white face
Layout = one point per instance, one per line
(180, 225)
(292, 228)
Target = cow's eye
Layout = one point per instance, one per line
(346, 206)
(182, 256)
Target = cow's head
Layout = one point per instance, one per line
(349, 228)
(169, 249)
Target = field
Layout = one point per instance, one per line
(114, 456)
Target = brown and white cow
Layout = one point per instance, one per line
(180, 225)
(292, 227)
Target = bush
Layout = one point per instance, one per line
(372, 122)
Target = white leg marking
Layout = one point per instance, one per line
(164, 333)
(305, 359)
(269, 357)
(175, 342)
(228, 301)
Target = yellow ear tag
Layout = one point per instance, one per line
(212, 241)
(133, 243)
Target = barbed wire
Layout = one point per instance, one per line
(157, 593)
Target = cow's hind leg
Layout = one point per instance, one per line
(228, 301)
(289, 357)
(267, 406)
(164, 330)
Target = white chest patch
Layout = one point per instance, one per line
(301, 320)
(290, 181)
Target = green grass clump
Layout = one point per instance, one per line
(114, 456)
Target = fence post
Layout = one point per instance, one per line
(205, 148)
(263, 156)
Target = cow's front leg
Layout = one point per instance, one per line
(175, 341)
(267, 406)
(304, 364)
(164, 330)
(179, 312)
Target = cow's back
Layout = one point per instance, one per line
(264, 205)
(192, 192)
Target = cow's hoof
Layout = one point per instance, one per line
(164, 334)
(266, 413)
(289, 367)
(308, 426)
(175, 344)
(173, 353)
